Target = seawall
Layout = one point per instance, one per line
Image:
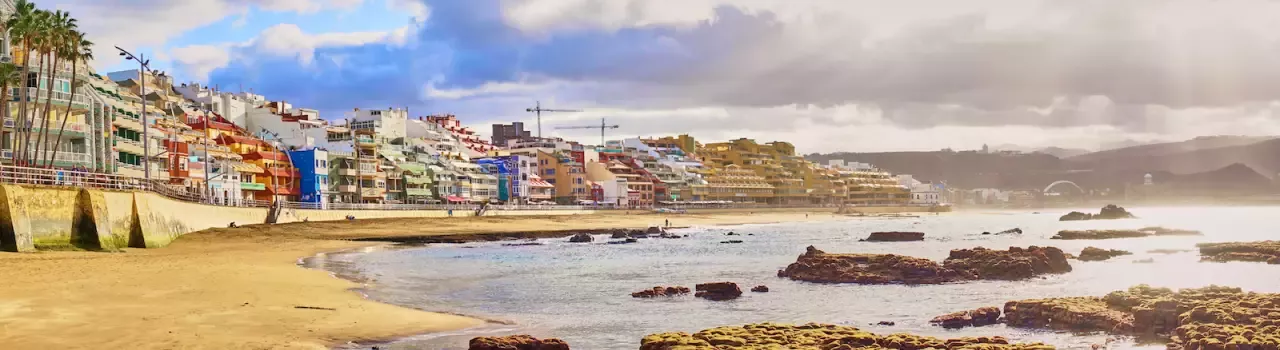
(36, 218)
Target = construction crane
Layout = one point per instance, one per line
(602, 127)
(537, 108)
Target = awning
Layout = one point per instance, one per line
(455, 199)
(412, 167)
(247, 168)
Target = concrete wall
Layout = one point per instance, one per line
(45, 218)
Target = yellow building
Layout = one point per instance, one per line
(776, 162)
(733, 183)
(874, 188)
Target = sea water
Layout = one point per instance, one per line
(581, 292)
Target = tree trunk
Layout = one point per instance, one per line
(44, 113)
(65, 115)
(19, 140)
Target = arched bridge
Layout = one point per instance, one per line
(1062, 182)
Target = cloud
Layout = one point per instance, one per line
(1035, 67)
(152, 23)
(282, 42)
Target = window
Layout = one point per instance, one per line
(550, 172)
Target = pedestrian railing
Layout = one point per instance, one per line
(84, 179)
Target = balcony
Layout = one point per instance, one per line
(418, 192)
(38, 95)
(72, 128)
(62, 158)
(347, 172)
(373, 193)
(347, 188)
(365, 141)
(252, 186)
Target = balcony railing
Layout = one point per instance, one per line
(64, 157)
(37, 94)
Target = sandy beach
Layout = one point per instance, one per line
(242, 288)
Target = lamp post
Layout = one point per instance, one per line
(144, 66)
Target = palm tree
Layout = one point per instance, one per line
(80, 50)
(60, 23)
(23, 27)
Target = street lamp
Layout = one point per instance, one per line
(144, 66)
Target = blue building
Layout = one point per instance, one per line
(313, 168)
(513, 176)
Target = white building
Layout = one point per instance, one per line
(386, 123)
(231, 106)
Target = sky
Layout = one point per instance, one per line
(849, 75)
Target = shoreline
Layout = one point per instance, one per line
(244, 287)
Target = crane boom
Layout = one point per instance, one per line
(602, 128)
(537, 110)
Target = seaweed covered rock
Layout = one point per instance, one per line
(818, 266)
(979, 317)
(1263, 251)
(718, 291)
(962, 265)
(1099, 254)
(1113, 234)
(516, 342)
(895, 236)
(1109, 212)
(580, 238)
(661, 291)
(760, 289)
(1013, 264)
(815, 337)
(1195, 318)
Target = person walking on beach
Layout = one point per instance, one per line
(668, 223)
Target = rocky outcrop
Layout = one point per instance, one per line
(1013, 264)
(1012, 231)
(1263, 251)
(1198, 318)
(580, 238)
(661, 291)
(654, 230)
(816, 337)
(524, 244)
(732, 241)
(619, 234)
(1112, 234)
(1099, 254)
(717, 291)
(1109, 212)
(818, 266)
(962, 265)
(979, 317)
(894, 237)
(516, 342)
(760, 289)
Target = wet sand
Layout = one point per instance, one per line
(242, 288)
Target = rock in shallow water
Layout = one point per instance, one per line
(580, 238)
(1099, 254)
(979, 317)
(895, 237)
(814, 337)
(962, 265)
(1109, 212)
(1264, 251)
(661, 291)
(1113, 234)
(760, 289)
(718, 291)
(516, 342)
